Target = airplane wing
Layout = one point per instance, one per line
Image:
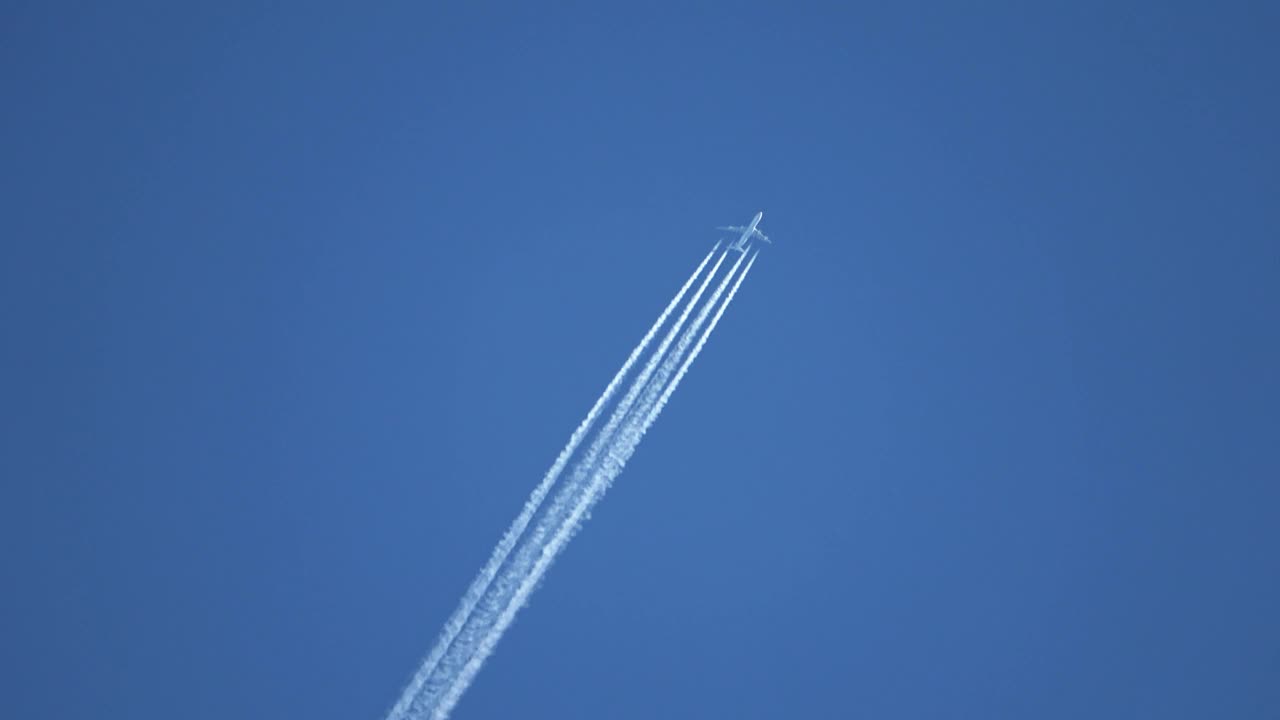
(732, 228)
(763, 237)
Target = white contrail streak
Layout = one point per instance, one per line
(611, 466)
(478, 586)
(440, 690)
(663, 385)
(684, 367)
(604, 439)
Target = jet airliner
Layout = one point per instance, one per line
(748, 233)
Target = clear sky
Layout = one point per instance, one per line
(299, 302)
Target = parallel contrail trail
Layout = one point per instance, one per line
(506, 582)
(478, 586)
(450, 677)
(693, 355)
(661, 386)
(611, 466)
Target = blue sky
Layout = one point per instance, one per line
(300, 302)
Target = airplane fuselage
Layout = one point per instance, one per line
(746, 235)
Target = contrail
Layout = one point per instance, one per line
(684, 367)
(604, 439)
(478, 586)
(617, 455)
(659, 388)
(447, 680)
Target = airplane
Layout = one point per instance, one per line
(748, 232)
